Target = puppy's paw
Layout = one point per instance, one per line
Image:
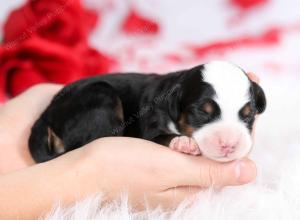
(185, 144)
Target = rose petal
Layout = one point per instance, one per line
(137, 24)
(247, 4)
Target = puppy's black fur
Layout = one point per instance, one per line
(133, 105)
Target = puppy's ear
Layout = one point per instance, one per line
(174, 99)
(259, 97)
(55, 144)
(187, 88)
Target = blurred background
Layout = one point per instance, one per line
(99, 36)
(63, 40)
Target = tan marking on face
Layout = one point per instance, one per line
(208, 108)
(184, 127)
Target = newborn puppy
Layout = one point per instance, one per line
(209, 110)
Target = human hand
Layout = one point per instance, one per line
(253, 77)
(147, 171)
(16, 119)
(150, 172)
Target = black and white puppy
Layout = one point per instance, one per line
(209, 110)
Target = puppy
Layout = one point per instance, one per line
(209, 110)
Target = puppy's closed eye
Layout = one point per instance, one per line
(208, 108)
(202, 112)
(246, 112)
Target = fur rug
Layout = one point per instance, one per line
(274, 195)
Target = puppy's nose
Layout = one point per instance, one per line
(227, 148)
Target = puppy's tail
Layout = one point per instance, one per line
(43, 143)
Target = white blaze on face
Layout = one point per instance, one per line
(227, 138)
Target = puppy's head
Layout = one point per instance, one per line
(218, 109)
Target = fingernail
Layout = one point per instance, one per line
(245, 171)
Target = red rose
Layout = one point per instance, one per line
(47, 41)
(64, 21)
(2, 77)
(38, 60)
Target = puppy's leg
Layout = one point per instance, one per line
(181, 144)
(185, 144)
(76, 117)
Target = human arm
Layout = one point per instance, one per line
(112, 166)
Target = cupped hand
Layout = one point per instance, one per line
(151, 172)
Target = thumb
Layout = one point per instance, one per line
(230, 174)
(253, 77)
(206, 173)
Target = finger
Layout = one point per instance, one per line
(199, 171)
(26, 108)
(31, 103)
(254, 126)
(36, 98)
(253, 77)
